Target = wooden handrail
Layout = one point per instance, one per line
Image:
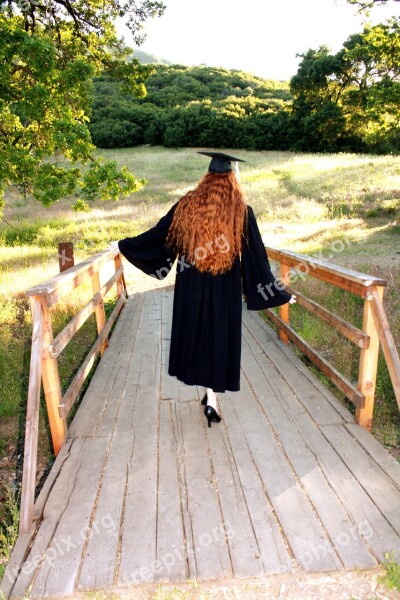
(375, 327)
(45, 351)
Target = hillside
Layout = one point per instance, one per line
(149, 59)
(192, 106)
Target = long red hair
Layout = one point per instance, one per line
(207, 226)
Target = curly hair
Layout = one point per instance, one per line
(207, 226)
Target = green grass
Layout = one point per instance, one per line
(309, 203)
(392, 576)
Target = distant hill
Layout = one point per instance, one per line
(145, 58)
(192, 106)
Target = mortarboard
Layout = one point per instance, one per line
(220, 163)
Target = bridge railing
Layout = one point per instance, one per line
(46, 350)
(375, 328)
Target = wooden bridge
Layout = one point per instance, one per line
(142, 491)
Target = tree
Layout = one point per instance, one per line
(49, 54)
(366, 5)
(349, 99)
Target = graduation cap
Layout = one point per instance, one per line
(220, 163)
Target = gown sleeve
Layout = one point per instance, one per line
(148, 251)
(260, 287)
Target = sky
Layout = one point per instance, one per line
(257, 36)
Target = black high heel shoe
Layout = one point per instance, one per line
(211, 414)
(204, 401)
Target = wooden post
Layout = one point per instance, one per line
(368, 363)
(284, 308)
(32, 419)
(65, 255)
(52, 386)
(387, 343)
(121, 285)
(99, 310)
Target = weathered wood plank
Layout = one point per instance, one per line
(271, 540)
(322, 407)
(380, 488)
(100, 556)
(378, 453)
(245, 553)
(341, 382)
(353, 281)
(21, 549)
(368, 520)
(53, 509)
(80, 377)
(171, 547)
(206, 521)
(307, 538)
(93, 404)
(138, 540)
(270, 390)
(62, 558)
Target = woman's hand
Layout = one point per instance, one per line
(293, 299)
(114, 246)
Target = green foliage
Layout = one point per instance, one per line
(346, 102)
(47, 62)
(8, 527)
(350, 100)
(192, 106)
(392, 577)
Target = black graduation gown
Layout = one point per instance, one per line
(207, 309)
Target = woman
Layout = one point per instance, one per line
(221, 255)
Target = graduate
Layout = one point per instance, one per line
(214, 236)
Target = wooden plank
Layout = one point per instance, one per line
(22, 546)
(120, 392)
(387, 341)
(62, 558)
(32, 419)
(101, 554)
(341, 382)
(306, 536)
(305, 385)
(189, 541)
(54, 507)
(368, 520)
(84, 370)
(171, 547)
(282, 356)
(380, 488)
(139, 519)
(60, 285)
(94, 403)
(354, 334)
(336, 520)
(320, 267)
(378, 453)
(271, 539)
(211, 553)
(244, 551)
